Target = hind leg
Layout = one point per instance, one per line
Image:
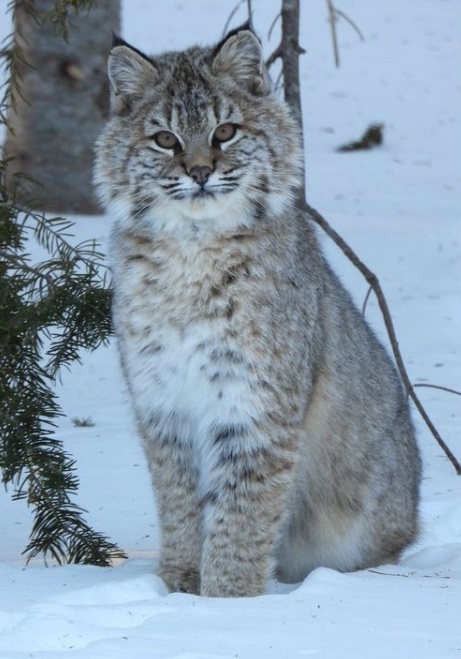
(323, 540)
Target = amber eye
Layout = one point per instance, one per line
(224, 133)
(166, 140)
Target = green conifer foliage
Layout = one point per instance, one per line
(49, 313)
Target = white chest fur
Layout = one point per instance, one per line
(188, 366)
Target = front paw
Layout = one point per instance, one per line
(181, 580)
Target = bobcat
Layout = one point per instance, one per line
(277, 433)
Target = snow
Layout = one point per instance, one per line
(399, 208)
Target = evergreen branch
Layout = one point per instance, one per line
(60, 16)
(64, 299)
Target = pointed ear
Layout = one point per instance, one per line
(130, 72)
(239, 55)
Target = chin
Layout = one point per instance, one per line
(209, 207)
(209, 214)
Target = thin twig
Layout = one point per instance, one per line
(365, 302)
(290, 54)
(387, 574)
(373, 281)
(231, 16)
(273, 24)
(278, 82)
(334, 34)
(275, 55)
(438, 386)
(250, 11)
(395, 574)
(333, 14)
(351, 23)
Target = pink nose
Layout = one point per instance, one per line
(200, 174)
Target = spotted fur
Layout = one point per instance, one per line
(276, 430)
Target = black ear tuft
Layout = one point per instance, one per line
(239, 56)
(130, 74)
(244, 26)
(118, 41)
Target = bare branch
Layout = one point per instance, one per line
(278, 82)
(351, 23)
(250, 11)
(290, 51)
(334, 34)
(273, 24)
(333, 14)
(365, 302)
(290, 55)
(232, 14)
(437, 386)
(373, 281)
(275, 55)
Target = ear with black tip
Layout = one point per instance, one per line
(130, 72)
(240, 55)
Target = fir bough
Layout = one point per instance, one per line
(49, 312)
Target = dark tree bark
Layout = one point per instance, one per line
(62, 105)
(290, 51)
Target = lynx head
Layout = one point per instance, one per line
(196, 137)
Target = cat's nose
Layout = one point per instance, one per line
(200, 174)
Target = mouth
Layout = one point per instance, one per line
(202, 194)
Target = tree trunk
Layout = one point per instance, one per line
(290, 52)
(62, 106)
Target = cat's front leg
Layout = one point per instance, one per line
(174, 479)
(245, 509)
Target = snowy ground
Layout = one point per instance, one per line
(400, 208)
